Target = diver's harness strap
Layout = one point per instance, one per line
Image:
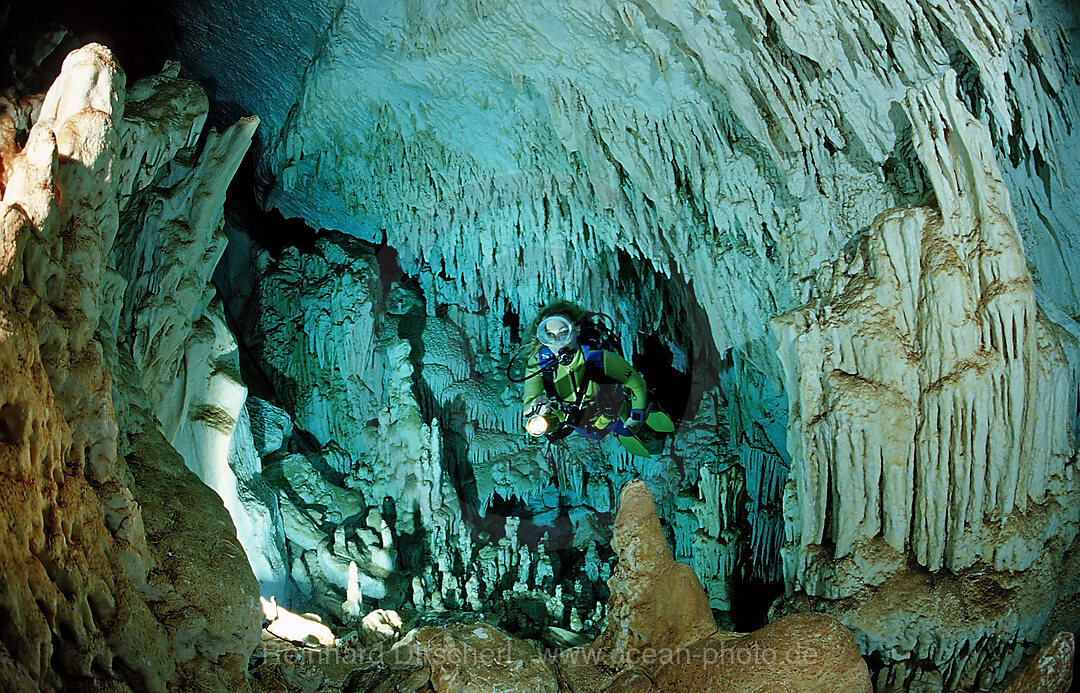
(594, 373)
(594, 331)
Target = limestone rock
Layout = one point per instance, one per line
(474, 658)
(380, 626)
(120, 568)
(362, 476)
(204, 591)
(811, 652)
(1052, 669)
(728, 160)
(743, 142)
(921, 431)
(661, 635)
(166, 248)
(294, 627)
(655, 601)
(270, 426)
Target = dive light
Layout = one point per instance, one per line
(540, 421)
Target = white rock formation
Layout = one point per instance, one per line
(120, 568)
(379, 626)
(647, 125)
(166, 249)
(932, 407)
(286, 625)
(957, 403)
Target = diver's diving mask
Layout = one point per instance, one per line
(560, 335)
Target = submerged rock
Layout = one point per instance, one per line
(891, 187)
(119, 568)
(1052, 669)
(661, 635)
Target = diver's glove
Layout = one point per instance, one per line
(537, 406)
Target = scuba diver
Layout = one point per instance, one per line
(578, 382)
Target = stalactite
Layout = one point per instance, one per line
(919, 441)
(739, 147)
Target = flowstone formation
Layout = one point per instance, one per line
(944, 434)
(119, 569)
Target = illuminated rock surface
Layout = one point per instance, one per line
(119, 567)
(947, 429)
(661, 635)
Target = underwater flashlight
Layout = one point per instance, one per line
(537, 426)
(540, 420)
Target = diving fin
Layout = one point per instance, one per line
(634, 445)
(660, 422)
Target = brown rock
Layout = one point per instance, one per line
(661, 635)
(478, 658)
(459, 658)
(1052, 669)
(803, 652)
(115, 572)
(654, 599)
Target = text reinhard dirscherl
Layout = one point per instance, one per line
(413, 655)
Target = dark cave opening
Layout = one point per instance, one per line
(512, 321)
(669, 386)
(137, 33)
(390, 271)
(751, 602)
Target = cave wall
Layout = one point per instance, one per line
(120, 567)
(386, 448)
(695, 170)
(935, 422)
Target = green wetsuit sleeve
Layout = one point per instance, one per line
(534, 386)
(616, 368)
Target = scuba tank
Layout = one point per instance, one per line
(598, 333)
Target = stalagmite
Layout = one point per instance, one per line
(661, 634)
(351, 605)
